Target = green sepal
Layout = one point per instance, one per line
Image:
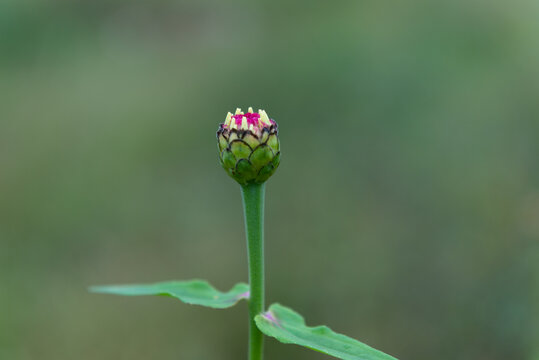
(276, 160)
(233, 136)
(265, 173)
(273, 142)
(251, 140)
(289, 327)
(223, 143)
(261, 156)
(240, 149)
(195, 292)
(264, 136)
(229, 161)
(244, 171)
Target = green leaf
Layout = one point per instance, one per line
(196, 292)
(289, 327)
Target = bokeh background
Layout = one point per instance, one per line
(405, 212)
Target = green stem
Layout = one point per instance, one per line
(253, 206)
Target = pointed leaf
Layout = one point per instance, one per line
(289, 327)
(196, 292)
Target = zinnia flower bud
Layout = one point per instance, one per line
(249, 146)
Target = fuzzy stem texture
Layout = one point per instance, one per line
(253, 206)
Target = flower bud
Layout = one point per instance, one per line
(249, 146)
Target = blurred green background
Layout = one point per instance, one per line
(405, 212)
